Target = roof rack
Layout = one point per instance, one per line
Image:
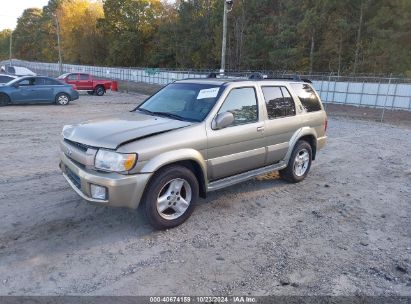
(259, 75)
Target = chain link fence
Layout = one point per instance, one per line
(369, 91)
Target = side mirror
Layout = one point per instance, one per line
(223, 120)
(16, 85)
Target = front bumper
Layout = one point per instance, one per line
(122, 190)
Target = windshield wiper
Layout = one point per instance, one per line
(166, 114)
(144, 111)
(170, 115)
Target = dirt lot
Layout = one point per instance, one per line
(345, 230)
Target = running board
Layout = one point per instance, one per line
(235, 179)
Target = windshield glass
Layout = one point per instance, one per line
(184, 101)
(63, 76)
(13, 81)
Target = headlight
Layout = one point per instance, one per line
(113, 161)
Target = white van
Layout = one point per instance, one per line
(18, 71)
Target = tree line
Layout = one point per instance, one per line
(339, 36)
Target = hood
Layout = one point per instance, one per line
(111, 132)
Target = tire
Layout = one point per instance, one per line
(90, 92)
(62, 99)
(99, 91)
(4, 99)
(170, 197)
(299, 164)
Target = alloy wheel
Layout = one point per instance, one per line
(174, 199)
(301, 162)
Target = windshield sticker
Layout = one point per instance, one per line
(208, 93)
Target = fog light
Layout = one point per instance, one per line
(98, 192)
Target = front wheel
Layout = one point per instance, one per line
(4, 99)
(170, 197)
(299, 164)
(62, 99)
(99, 91)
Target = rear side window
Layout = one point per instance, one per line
(72, 77)
(26, 82)
(307, 96)
(242, 103)
(279, 102)
(84, 77)
(39, 81)
(46, 81)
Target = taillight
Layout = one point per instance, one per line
(325, 125)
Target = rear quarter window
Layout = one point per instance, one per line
(48, 81)
(307, 96)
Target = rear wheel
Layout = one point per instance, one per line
(4, 99)
(299, 164)
(170, 197)
(99, 91)
(62, 99)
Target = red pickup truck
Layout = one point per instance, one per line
(85, 82)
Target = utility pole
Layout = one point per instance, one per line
(58, 42)
(11, 43)
(227, 9)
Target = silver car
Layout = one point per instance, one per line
(193, 137)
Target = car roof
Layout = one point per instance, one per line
(20, 68)
(8, 75)
(28, 76)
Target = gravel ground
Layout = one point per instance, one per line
(345, 230)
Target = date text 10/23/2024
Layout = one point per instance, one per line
(203, 299)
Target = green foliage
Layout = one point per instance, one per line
(365, 36)
(82, 42)
(4, 44)
(26, 41)
(128, 27)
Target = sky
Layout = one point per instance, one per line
(14, 8)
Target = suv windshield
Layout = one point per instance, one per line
(63, 76)
(183, 101)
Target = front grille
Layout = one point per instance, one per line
(79, 146)
(75, 179)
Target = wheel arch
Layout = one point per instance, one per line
(5, 93)
(306, 133)
(190, 159)
(101, 86)
(311, 139)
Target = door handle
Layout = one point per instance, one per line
(260, 129)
